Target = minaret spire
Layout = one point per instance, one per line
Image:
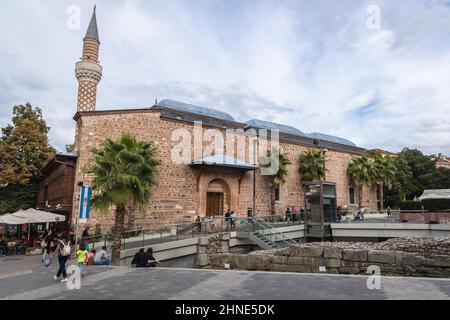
(92, 32)
(88, 70)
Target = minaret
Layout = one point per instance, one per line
(88, 71)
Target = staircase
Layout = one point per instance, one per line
(265, 235)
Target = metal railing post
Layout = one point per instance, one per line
(143, 238)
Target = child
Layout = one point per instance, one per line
(90, 257)
(81, 257)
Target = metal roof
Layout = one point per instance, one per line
(68, 154)
(327, 137)
(92, 32)
(435, 194)
(254, 123)
(175, 105)
(222, 160)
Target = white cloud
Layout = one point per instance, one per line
(313, 65)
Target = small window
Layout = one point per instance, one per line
(351, 193)
(277, 194)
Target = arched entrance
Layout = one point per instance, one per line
(217, 198)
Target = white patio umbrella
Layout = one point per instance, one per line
(31, 216)
(37, 216)
(12, 220)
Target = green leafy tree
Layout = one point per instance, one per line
(312, 165)
(422, 168)
(361, 172)
(279, 178)
(441, 179)
(402, 183)
(124, 170)
(24, 148)
(14, 197)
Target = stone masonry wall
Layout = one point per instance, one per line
(179, 193)
(211, 246)
(421, 257)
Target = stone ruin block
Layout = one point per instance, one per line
(202, 260)
(378, 256)
(354, 255)
(413, 260)
(291, 268)
(280, 259)
(298, 260)
(310, 252)
(259, 262)
(441, 261)
(332, 252)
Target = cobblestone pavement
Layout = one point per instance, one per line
(28, 279)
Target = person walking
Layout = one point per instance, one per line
(198, 224)
(227, 219)
(86, 237)
(48, 241)
(302, 214)
(232, 221)
(288, 215)
(63, 252)
(212, 223)
(389, 212)
(250, 216)
(339, 214)
(294, 214)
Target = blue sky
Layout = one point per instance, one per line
(314, 65)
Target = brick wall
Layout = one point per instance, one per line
(181, 190)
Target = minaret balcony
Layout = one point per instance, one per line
(88, 71)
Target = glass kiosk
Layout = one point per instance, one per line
(320, 209)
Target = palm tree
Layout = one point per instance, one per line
(385, 173)
(124, 172)
(312, 165)
(362, 173)
(279, 178)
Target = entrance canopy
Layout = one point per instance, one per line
(31, 216)
(224, 161)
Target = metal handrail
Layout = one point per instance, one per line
(277, 232)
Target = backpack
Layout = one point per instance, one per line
(65, 251)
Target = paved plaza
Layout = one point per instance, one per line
(25, 278)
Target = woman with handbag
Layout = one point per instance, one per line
(63, 251)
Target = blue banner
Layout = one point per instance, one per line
(85, 202)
